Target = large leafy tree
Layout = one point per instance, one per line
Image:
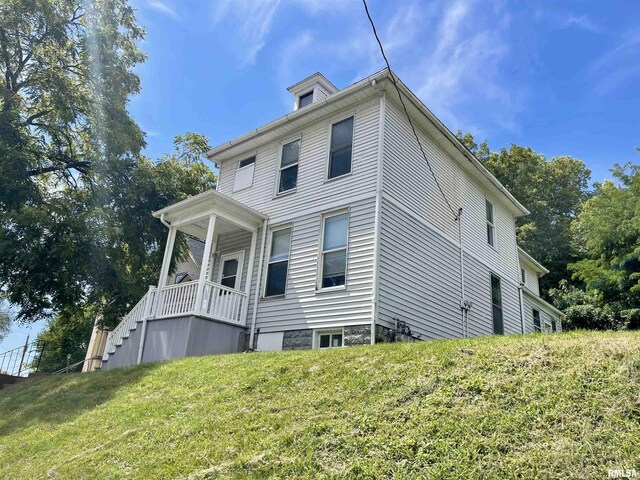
(67, 143)
(126, 246)
(607, 232)
(553, 190)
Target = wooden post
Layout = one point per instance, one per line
(205, 258)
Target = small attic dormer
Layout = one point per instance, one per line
(310, 90)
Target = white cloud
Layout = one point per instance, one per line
(580, 21)
(461, 64)
(618, 67)
(164, 8)
(254, 20)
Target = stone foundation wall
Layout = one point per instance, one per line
(297, 340)
(387, 335)
(357, 335)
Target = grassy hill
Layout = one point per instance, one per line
(560, 406)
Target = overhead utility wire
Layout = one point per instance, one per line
(395, 84)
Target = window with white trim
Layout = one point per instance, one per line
(523, 276)
(332, 339)
(305, 99)
(288, 173)
(537, 326)
(496, 304)
(491, 228)
(341, 148)
(278, 265)
(333, 261)
(244, 173)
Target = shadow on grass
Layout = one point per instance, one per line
(57, 399)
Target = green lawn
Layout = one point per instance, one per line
(554, 406)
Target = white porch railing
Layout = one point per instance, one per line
(138, 313)
(223, 303)
(178, 299)
(218, 302)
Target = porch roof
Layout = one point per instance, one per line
(197, 209)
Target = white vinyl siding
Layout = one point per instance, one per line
(531, 302)
(305, 307)
(531, 282)
(419, 251)
(312, 190)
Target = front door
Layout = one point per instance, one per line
(230, 271)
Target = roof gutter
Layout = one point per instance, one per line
(334, 97)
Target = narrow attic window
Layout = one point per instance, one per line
(244, 173)
(305, 99)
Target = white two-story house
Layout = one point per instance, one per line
(328, 229)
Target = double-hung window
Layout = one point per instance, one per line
(333, 261)
(341, 148)
(491, 228)
(278, 262)
(496, 304)
(537, 326)
(288, 174)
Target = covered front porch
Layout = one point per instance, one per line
(219, 294)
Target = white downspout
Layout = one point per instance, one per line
(520, 288)
(463, 306)
(378, 214)
(256, 297)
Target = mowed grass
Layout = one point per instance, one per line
(553, 406)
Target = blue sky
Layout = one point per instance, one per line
(560, 77)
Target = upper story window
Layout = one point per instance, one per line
(491, 228)
(288, 173)
(305, 99)
(341, 147)
(496, 303)
(244, 173)
(278, 265)
(523, 276)
(333, 262)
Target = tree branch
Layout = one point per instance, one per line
(35, 116)
(80, 165)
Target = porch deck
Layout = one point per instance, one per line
(218, 302)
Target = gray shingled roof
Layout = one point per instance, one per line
(197, 249)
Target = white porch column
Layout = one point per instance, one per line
(164, 271)
(247, 288)
(206, 256)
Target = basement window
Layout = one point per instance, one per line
(329, 339)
